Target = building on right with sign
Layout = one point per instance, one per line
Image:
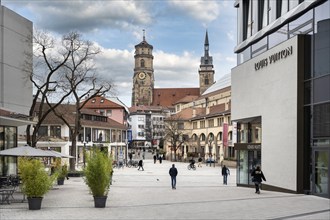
(281, 94)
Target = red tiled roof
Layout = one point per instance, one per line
(100, 102)
(170, 96)
(187, 99)
(188, 113)
(68, 112)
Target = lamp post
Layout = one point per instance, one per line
(84, 150)
(210, 150)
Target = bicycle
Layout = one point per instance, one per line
(132, 163)
(191, 166)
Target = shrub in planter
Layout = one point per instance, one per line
(62, 174)
(35, 180)
(98, 172)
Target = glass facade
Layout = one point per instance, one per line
(8, 139)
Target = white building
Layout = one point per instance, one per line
(147, 125)
(281, 94)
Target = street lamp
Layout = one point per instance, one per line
(84, 150)
(210, 150)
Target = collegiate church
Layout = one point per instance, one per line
(144, 93)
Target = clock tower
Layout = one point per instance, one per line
(206, 72)
(143, 78)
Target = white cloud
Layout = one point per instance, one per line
(173, 70)
(202, 10)
(63, 16)
(170, 70)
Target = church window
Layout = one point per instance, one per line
(206, 81)
(142, 63)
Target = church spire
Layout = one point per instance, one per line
(206, 46)
(206, 72)
(144, 35)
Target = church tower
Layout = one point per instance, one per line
(206, 72)
(143, 78)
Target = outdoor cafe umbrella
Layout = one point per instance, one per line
(26, 151)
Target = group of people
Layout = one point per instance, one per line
(257, 176)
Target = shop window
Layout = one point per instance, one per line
(321, 89)
(321, 120)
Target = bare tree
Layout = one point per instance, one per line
(174, 134)
(49, 59)
(81, 81)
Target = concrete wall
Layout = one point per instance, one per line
(271, 92)
(15, 42)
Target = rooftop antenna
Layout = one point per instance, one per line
(144, 33)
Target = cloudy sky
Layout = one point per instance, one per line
(175, 28)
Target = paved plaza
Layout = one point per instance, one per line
(147, 194)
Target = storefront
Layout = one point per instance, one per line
(249, 156)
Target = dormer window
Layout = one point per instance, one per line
(93, 100)
(102, 100)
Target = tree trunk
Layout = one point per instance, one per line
(28, 135)
(73, 153)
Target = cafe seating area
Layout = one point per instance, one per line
(10, 190)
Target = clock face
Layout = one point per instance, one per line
(142, 75)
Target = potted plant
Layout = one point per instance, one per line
(62, 174)
(98, 173)
(35, 181)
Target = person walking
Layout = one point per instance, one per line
(225, 172)
(155, 158)
(257, 177)
(173, 173)
(141, 165)
(200, 162)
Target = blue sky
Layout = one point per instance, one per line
(175, 28)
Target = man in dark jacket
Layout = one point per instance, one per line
(141, 165)
(225, 172)
(173, 173)
(257, 176)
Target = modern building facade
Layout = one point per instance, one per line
(15, 88)
(281, 94)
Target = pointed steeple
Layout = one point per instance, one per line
(206, 39)
(206, 46)
(206, 72)
(144, 35)
(206, 59)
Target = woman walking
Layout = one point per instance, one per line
(257, 177)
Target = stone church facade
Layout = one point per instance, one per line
(143, 91)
